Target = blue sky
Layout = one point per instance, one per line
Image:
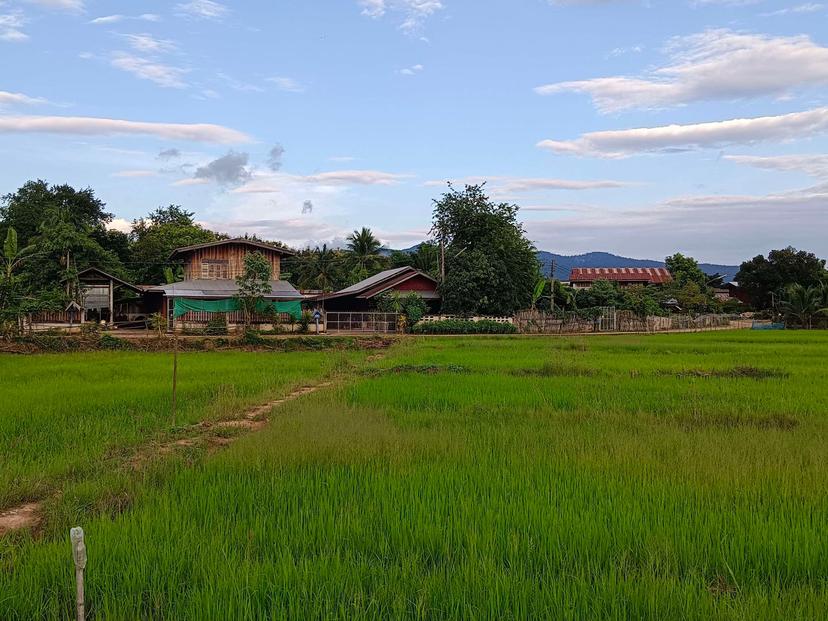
(641, 128)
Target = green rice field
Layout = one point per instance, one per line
(631, 477)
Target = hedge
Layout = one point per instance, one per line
(464, 326)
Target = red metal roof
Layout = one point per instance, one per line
(650, 275)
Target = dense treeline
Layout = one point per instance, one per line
(479, 253)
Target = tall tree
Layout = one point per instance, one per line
(363, 254)
(425, 258)
(766, 279)
(27, 209)
(491, 268)
(157, 235)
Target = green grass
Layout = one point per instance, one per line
(662, 477)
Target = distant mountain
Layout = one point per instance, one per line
(564, 263)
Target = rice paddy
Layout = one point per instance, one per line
(660, 477)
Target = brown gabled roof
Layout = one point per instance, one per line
(651, 275)
(378, 283)
(235, 240)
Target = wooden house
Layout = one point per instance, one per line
(209, 285)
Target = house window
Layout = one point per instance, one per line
(215, 269)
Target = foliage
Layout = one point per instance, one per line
(410, 305)
(156, 236)
(321, 269)
(253, 284)
(363, 254)
(685, 270)
(601, 293)
(464, 326)
(802, 303)
(216, 325)
(491, 268)
(305, 320)
(159, 324)
(425, 258)
(767, 278)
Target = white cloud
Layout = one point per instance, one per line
(113, 19)
(744, 225)
(7, 98)
(812, 165)
(413, 12)
(287, 84)
(10, 27)
(75, 6)
(507, 185)
(412, 70)
(799, 9)
(626, 142)
(92, 126)
(146, 69)
(191, 181)
(148, 44)
(269, 183)
(204, 9)
(712, 65)
(120, 224)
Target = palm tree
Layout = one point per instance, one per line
(802, 304)
(363, 248)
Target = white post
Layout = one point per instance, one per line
(79, 556)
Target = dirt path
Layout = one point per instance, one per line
(30, 515)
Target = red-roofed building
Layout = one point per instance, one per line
(584, 277)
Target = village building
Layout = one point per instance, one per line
(361, 297)
(585, 277)
(209, 285)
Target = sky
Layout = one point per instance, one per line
(636, 127)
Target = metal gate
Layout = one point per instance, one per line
(384, 323)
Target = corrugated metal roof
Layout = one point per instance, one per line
(203, 288)
(651, 275)
(376, 279)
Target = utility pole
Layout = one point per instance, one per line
(552, 286)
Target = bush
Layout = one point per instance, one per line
(464, 326)
(216, 326)
(305, 321)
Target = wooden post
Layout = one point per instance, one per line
(111, 303)
(79, 556)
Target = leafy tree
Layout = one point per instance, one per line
(641, 300)
(320, 268)
(410, 305)
(491, 268)
(686, 269)
(802, 303)
(28, 209)
(253, 284)
(425, 258)
(10, 282)
(601, 293)
(765, 278)
(156, 236)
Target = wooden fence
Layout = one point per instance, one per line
(610, 320)
(496, 319)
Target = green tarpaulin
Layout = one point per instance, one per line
(228, 305)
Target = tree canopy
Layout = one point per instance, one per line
(766, 278)
(490, 266)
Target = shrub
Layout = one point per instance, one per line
(305, 321)
(464, 326)
(216, 326)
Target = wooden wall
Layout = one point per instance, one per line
(233, 254)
